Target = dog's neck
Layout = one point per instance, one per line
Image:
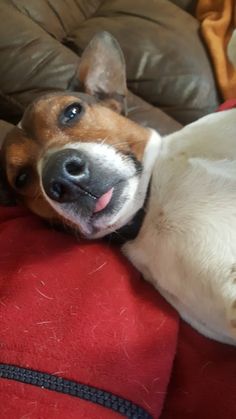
(130, 230)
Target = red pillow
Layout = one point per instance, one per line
(81, 312)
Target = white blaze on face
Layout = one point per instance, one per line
(135, 190)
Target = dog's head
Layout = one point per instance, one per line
(74, 158)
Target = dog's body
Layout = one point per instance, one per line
(187, 244)
(74, 160)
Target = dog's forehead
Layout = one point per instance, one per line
(57, 101)
(42, 116)
(42, 125)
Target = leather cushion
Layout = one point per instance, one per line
(166, 61)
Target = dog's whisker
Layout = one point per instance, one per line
(104, 140)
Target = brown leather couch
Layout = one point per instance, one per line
(168, 70)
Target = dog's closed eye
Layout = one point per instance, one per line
(22, 178)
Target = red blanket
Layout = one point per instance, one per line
(79, 311)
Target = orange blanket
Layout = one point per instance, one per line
(218, 20)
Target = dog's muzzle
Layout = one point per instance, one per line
(71, 176)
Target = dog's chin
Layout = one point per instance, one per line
(95, 226)
(112, 211)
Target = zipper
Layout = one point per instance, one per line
(91, 394)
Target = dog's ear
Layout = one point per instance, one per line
(102, 71)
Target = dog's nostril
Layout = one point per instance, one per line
(56, 190)
(75, 167)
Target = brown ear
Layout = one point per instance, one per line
(102, 71)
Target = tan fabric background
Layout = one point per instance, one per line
(218, 20)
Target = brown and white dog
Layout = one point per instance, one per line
(75, 159)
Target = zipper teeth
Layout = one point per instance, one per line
(72, 388)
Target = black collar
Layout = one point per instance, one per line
(130, 230)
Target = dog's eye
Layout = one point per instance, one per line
(71, 113)
(22, 179)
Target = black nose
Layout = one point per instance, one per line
(66, 175)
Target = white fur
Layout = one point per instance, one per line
(136, 190)
(187, 244)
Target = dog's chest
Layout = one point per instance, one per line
(187, 244)
(153, 252)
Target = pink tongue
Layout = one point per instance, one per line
(103, 201)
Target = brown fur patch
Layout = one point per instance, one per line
(98, 123)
